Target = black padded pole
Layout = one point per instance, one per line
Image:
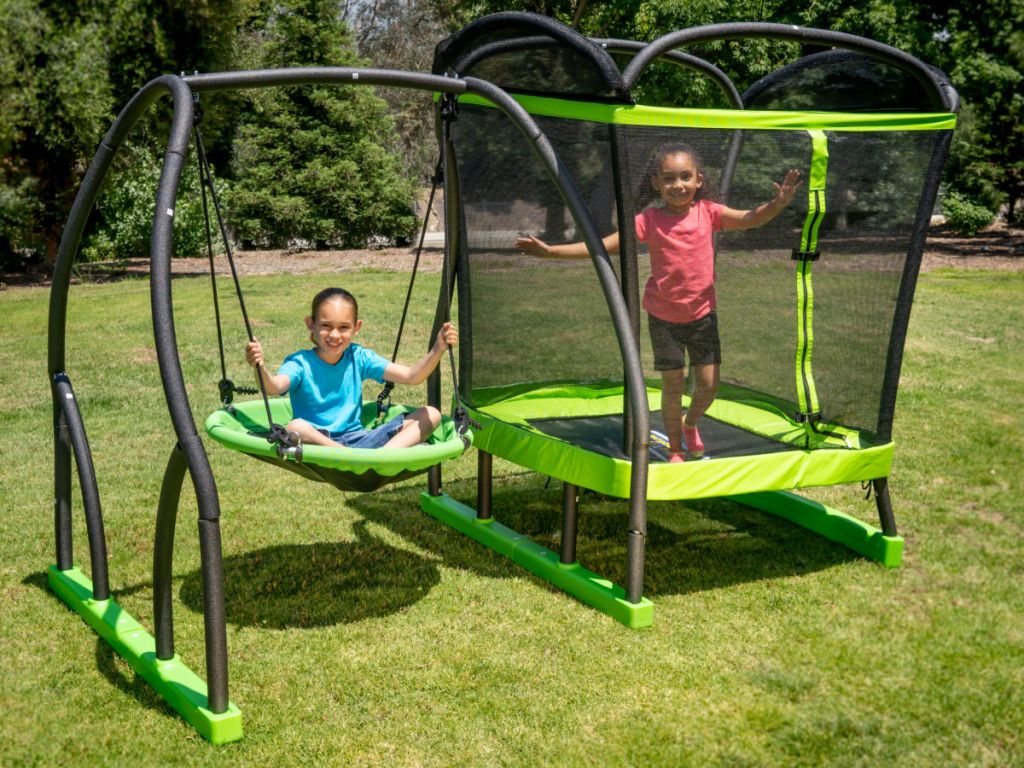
(635, 561)
(908, 285)
(484, 475)
(62, 487)
(163, 552)
(214, 620)
(627, 266)
(628, 346)
(57, 323)
(89, 488)
(884, 504)
(570, 516)
(679, 59)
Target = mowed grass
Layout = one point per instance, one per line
(362, 632)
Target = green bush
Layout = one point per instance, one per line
(124, 210)
(964, 215)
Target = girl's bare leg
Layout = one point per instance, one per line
(672, 385)
(704, 392)
(417, 428)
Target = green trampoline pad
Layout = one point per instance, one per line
(574, 433)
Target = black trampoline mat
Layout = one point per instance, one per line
(603, 435)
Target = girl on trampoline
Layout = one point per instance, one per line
(680, 294)
(325, 383)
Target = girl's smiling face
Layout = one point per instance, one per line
(677, 181)
(333, 328)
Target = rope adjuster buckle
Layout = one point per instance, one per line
(449, 107)
(799, 255)
(384, 400)
(812, 417)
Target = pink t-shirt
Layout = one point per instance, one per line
(681, 288)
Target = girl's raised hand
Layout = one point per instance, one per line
(784, 192)
(532, 246)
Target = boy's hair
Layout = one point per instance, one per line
(334, 293)
(647, 194)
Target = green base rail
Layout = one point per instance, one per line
(609, 598)
(834, 525)
(573, 578)
(178, 685)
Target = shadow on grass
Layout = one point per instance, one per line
(691, 546)
(316, 585)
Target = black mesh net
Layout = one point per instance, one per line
(542, 320)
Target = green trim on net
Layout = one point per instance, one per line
(173, 681)
(807, 393)
(769, 120)
(585, 585)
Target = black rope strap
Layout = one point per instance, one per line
(226, 386)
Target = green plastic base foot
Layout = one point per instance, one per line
(830, 523)
(177, 684)
(582, 584)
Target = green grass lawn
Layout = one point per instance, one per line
(362, 632)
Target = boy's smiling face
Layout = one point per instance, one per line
(333, 328)
(677, 181)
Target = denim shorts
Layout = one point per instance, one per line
(372, 438)
(673, 342)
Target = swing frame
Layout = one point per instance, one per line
(206, 705)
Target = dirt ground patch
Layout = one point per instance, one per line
(998, 248)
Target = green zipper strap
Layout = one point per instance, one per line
(807, 395)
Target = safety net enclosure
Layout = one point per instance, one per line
(240, 426)
(812, 307)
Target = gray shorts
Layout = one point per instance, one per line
(674, 342)
(372, 438)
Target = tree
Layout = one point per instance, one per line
(309, 162)
(402, 34)
(65, 68)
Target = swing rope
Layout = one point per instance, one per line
(278, 434)
(384, 398)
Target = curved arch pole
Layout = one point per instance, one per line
(925, 77)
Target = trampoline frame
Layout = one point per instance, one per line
(627, 604)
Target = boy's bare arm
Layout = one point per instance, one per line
(275, 385)
(417, 373)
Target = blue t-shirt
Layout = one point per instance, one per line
(331, 396)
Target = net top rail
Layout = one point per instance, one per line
(492, 38)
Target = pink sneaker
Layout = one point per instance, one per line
(676, 457)
(694, 445)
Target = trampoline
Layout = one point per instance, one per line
(812, 308)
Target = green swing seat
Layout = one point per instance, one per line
(243, 427)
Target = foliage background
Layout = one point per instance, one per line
(67, 67)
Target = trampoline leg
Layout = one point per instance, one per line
(570, 514)
(484, 462)
(635, 567)
(884, 504)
